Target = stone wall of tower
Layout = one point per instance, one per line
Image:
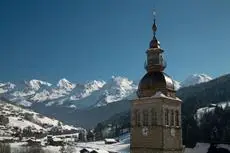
(159, 138)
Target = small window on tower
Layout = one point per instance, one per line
(161, 59)
(177, 118)
(155, 59)
(145, 118)
(166, 117)
(154, 116)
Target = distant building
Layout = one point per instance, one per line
(89, 150)
(85, 150)
(54, 141)
(156, 113)
(110, 141)
(83, 135)
(33, 142)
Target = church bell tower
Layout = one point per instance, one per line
(156, 113)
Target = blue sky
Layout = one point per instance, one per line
(83, 40)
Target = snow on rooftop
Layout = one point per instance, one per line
(159, 94)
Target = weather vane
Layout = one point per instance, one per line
(154, 13)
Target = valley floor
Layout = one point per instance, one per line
(120, 147)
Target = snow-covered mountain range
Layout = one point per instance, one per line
(77, 96)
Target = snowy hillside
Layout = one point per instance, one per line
(94, 93)
(23, 118)
(201, 111)
(195, 79)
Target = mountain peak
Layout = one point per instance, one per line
(121, 81)
(36, 84)
(64, 83)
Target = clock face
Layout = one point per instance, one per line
(145, 131)
(173, 132)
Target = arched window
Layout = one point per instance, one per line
(166, 116)
(177, 118)
(145, 117)
(153, 116)
(172, 118)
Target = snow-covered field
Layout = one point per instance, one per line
(101, 147)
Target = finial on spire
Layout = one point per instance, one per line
(154, 14)
(154, 27)
(154, 42)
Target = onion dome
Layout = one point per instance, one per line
(153, 82)
(154, 43)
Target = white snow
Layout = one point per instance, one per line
(3, 90)
(23, 93)
(88, 89)
(203, 148)
(41, 96)
(176, 84)
(16, 118)
(118, 88)
(49, 95)
(94, 93)
(159, 94)
(100, 145)
(123, 146)
(100, 94)
(2, 84)
(6, 87)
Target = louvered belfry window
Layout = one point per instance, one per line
(145, 117)
(166, 116)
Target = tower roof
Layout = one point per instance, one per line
(155, 79)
